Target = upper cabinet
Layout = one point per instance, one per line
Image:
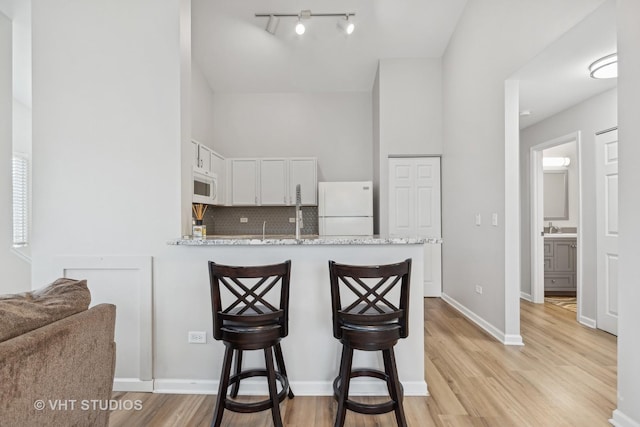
(303, 171)
(210, 163)
(244, 182)
(272, 181)
(201, 156)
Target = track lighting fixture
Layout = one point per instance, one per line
(345, 23)
(272, 24)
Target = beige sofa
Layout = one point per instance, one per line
(57, 357)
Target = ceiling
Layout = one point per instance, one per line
(558, 78)
(236, 54)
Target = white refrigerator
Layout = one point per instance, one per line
(345, 208)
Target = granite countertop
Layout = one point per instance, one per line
(305, 240)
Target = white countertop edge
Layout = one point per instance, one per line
(333, 240)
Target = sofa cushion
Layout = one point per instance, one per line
(24, 312)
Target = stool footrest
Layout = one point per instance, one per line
(368, 408)
(262, 405)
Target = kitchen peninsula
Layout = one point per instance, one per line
(310, 350)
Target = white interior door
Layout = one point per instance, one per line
(607, 224)
(414, 210)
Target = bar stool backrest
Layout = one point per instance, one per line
(247, 296)
(364, 295)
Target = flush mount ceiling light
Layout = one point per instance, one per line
(345, 23)
(605, 67)
(556, 161)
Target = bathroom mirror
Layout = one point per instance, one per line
(556, 190)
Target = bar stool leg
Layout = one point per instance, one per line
(283, 370)
(236, 385)
(273, 392)
(395, 391)
(222, 388)
(345, 379)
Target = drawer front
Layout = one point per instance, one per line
(559, 282)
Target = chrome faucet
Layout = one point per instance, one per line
(299, 224)
(553, 228)
(264, 227)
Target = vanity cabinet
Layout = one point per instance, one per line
(560, 266)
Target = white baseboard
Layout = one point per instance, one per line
(358, 387)
(621, 420)
(525, 296)
(486, 326)
(586, 321)
(132, 384)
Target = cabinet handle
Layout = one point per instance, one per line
(553, 280)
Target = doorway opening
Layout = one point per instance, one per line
(556, 219)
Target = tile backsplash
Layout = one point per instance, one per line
(226, 220)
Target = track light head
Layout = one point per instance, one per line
(272, 24)
(300, 29)
(346, 25)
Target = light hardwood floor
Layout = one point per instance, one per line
(565, 375)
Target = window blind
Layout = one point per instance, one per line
(20, 168)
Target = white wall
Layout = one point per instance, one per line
(493, 38)
(107, 140)
(628, 412)
(202, 106)
(335, 127)
(409, 117)
(15, 270)
(590, 116)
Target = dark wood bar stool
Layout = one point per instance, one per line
(250, 318)
(366, 317)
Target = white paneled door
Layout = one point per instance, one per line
(607, 224)
(414, 210)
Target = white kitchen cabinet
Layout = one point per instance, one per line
(218, 167)
(244, 182)
(303, 171)
(273, 182)
(201, 156)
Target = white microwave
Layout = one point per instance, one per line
(204, 186)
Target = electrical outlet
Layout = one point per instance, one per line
(244, 220)
(197, 337)
(479, 289)
(292, 220)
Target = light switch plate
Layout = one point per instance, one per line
(494, 219)
(478, 219)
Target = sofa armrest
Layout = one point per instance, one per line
(66, 365)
